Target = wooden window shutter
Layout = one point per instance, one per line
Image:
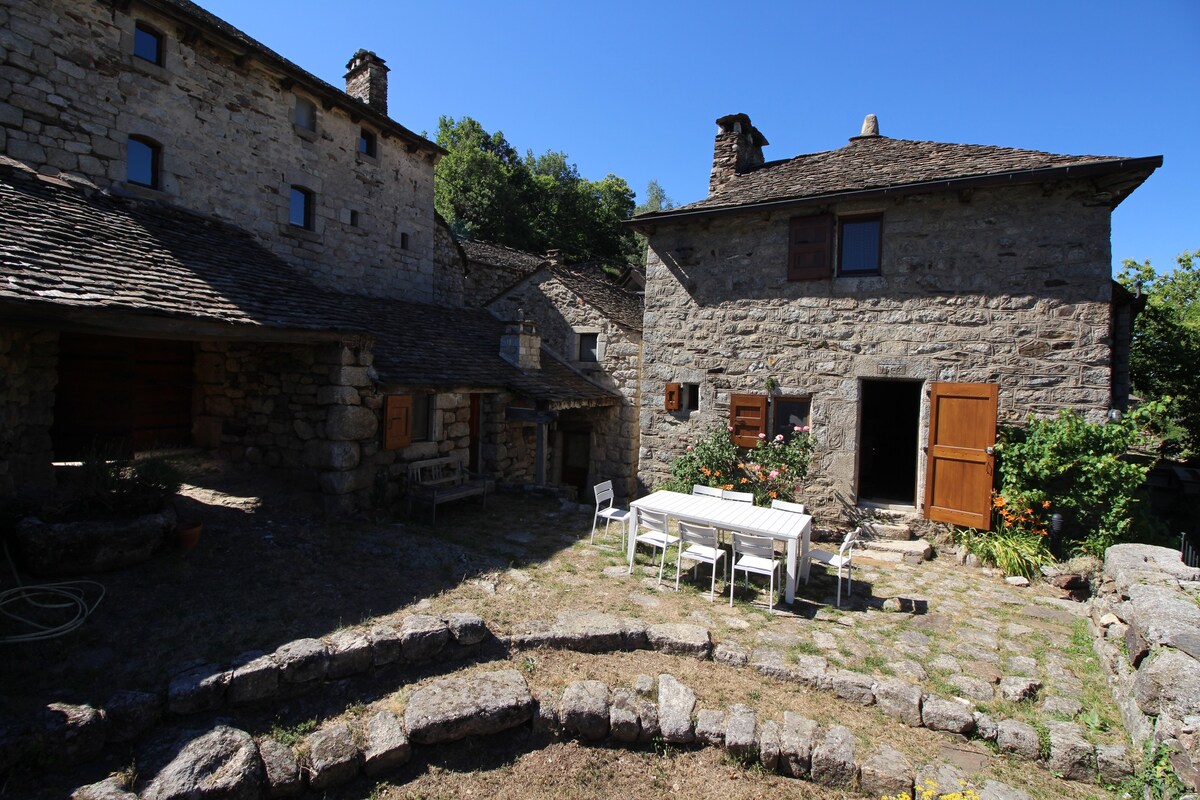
(673, 397)
(810, 255)
(748, 418)
(397, 421)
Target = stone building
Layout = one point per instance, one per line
(595, 326)
(202, 243)
(901, 296)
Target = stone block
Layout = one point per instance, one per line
(710, 727)
(350, 423)
(129, 714)
(833, 759)
(770, 745)
(281, 769)
(255, 677)
(585, 709)
(1168, 683)
(940, 714)
(679, 638)
(69, 734)
(467, 629)
(623, 716)
(900, 700)
(731, 653)
(199, 688)
(349, 376)
(1014, 736)
(676, 703)
(385, 644)
(303, 661)
(338, 395)
(887, 772)
(741, 732)
(1112, 763)
(797, 740)
(422, 637)
(1016, 689)
(333, 758)
(452, 709)
(349, 653)
(223, 762)
(1071, 755)
(856, 687)
(385, 744)
(337, 455)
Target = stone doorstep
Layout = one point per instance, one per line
(909, 552)
(882, 531)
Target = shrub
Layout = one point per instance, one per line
(771, 469)
(1012, 550)
(709, 462)
(1079, 469)
(117, 487)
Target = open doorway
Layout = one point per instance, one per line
(889, 418)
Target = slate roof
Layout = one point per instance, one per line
(878, 163)
(589, 282)
(497, 255)
(64, 247)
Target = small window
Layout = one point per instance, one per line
(305, 114)
(859, 243)
(790, 413)
(403, 241)
(143, 162)
(691, 397)
(300, 210)
(366, 143)
(422, 417)
(353, 219)
(589, 347)
(147, 44)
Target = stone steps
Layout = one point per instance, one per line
(909, 552)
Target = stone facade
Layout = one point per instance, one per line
(1008, 286)
(223, 115)
(27, 364)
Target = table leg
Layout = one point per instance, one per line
(632, 522)
(790, 593)
(805, 560)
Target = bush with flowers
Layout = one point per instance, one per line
(771, 469)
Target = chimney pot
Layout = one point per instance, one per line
(366, 80)
(738, 148)
(521, 345)
(870, 128)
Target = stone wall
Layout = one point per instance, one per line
(1147, 623)
(509, 448)
(561, 315)
(1008, 286)
(28, 361)
(71, 93)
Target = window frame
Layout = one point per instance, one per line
(155, 151)
(307, 210)
(788, 427)
(144, 29)
(858, 219)
(368, 144)
(301, 101)
(424, 404)
(579, 349)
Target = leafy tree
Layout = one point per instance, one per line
(485, 190)
(1165, 354)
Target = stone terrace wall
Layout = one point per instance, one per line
(71, 93)
(28, 375)
(1148, 621)
(1008, 286)
(560, 314)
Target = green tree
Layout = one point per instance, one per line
(486, 191)
(1165, 354)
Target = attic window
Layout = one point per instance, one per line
(147, 43)
(367, 144)
(305, 116)
(589, 347)
(859, 243)
(143, 161)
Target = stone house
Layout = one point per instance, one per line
(205, 244)
(595, 326)
(900, 296)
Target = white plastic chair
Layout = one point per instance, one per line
(840, 561)
(784, 505)
(656, 536)
(699, 544)
(606, 510)
(707, 491)
(740, 497)
(754, 554)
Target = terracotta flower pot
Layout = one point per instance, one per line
(188, 534)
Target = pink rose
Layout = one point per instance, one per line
(731, 429)
(805, 429)
(779, 437)
(798, 429)
(773, 474)
(690, 448)
(762, 436)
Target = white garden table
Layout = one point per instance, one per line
(729, 515)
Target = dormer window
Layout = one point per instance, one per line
(143, 162)
(366, 143)
(147, 44)
(305, 116)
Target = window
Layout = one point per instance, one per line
(305, 114)
(403, 241)
(751, 415)
(407, 418)
(789, 413)
(366, 143)
(859, 244)
(300, 209)
(353, 218)
(147, 44)
(142, 157)
(422, 417)
(691, 397)
(589, 347)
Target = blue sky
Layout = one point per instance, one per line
(633, 88)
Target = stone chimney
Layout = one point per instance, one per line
(521, 345)
(738, 148)
(366, 80)
(870, 128)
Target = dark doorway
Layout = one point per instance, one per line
(889, 417)
(576, 459)
(117, 396)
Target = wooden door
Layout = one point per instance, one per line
(962, 431)
(748, 418)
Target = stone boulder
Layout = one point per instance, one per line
(886, 772)
(623, 721)
(385, 744)
(1168, 683)
(1013, 736)
(676, 703)
(467, 629)
(797, 740)
(585, 709)
(333, 758)
(900, 700)
(422, 637)
(302, 662)
(83, 547)
(710, 727)
(1071, 755)
(1017, 689)
(107, 789)
(940, 714)
(741, 733)
(281, 768)
(679, 638)
(770, 745)
(833, 759)
(222, 764)
(455, 708)
(69, 734)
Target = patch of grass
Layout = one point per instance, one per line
(1043, 739)
(292, 735)
(805, 649)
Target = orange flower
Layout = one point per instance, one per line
(1045, 504)
(999, 502)
(717, 474)
(773, 494)
(745, 480)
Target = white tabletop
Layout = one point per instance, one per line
(726, 514)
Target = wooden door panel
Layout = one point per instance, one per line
(962, 428)
(748, 418)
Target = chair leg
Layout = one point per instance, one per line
(662, 563)
(595, 521)
(732, 584)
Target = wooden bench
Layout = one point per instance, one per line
(440, 480)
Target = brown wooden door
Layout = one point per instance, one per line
(962, 431)
(748, 418)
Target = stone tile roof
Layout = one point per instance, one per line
(879, 162)
(63, 247)
(497, 255)
(590, 282)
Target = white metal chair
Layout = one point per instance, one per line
(840, 561)
(699, 543)
(784, 505)
(606, 510)
(754, 554)
(707, 491)
(740, 497)
(656, 536)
